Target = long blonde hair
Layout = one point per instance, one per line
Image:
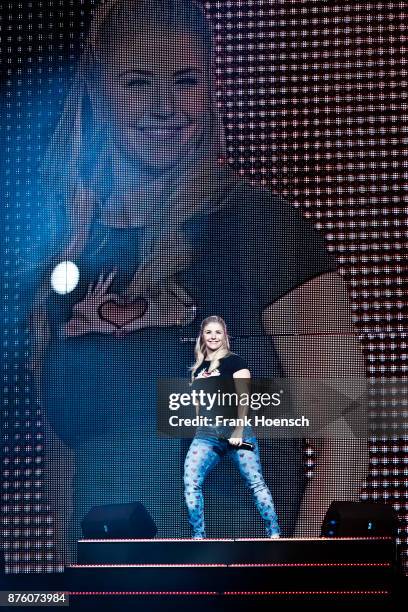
(200, 350)
(77, 160)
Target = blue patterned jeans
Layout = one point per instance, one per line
(202, 457)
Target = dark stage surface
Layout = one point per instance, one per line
(357, 573)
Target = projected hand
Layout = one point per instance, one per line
(165, 308)
(86, 317)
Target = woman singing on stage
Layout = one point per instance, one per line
(214, 359)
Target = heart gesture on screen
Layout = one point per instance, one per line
(103, 312)
(163, 309)
(86, 317)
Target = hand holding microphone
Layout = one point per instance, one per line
(242, 446)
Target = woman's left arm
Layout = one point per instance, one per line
(313, 333)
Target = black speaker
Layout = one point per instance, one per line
(359, 519)
(118, 521)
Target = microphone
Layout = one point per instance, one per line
(242, 446)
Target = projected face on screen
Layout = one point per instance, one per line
(151, 91)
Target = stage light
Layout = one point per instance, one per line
(64, 277)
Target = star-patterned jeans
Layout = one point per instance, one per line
(202, 456)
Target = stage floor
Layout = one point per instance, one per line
(251, 574)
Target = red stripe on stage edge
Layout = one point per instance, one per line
(156, 565)
(238, 539)
(351, 564)
(356, 592)
(229, 593)
(160, 540)
(314, 539)
(166, 565)
(70, 593)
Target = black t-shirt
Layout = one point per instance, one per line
(248, 254)
(228, 366)
(219, 381)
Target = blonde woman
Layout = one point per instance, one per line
(163, 233)
(215, 361)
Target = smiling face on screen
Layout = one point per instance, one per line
(152, 92)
